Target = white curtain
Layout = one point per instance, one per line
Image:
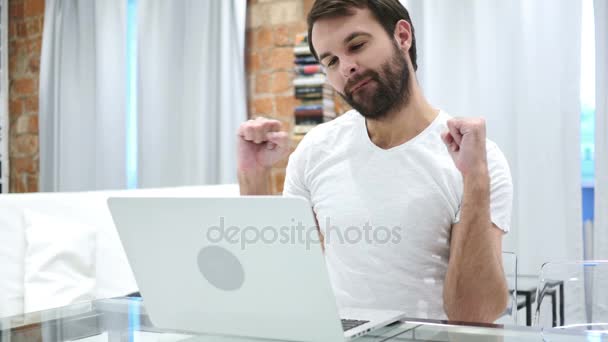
(191, 94)
(82, 95)
(516, 63)
(600, 297)
(601, 130)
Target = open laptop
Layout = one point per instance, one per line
(245, 266)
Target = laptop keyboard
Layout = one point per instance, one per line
(348, 324)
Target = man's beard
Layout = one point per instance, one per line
(392, 91)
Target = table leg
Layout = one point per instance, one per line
(561, 304)
(553, 308)
(528, 309)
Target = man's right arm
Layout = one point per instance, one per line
(254, 182)
(261, 144)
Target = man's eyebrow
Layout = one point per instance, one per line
(345, 41)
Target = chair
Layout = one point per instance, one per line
(578, 290)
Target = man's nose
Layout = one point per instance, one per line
(349, 67)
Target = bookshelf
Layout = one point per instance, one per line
(311, 89)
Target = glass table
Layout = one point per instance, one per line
(125, 319)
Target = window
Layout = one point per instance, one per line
(131, 134)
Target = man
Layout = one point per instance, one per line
(435, 195)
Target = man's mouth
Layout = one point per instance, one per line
(359, 85)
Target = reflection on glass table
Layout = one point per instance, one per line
(126, 319)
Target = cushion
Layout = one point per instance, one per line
(59, 266)
(11, 259)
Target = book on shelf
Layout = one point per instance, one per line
(308, 69)
(301, 50)
(302, 129)
(317, 80)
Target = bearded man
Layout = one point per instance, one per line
(411, 203)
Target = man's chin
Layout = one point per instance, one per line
(370, 113)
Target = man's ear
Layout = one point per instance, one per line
(403, 35)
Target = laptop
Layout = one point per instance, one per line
(244, 266)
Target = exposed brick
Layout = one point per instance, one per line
(24, 165)
(263, 38)
(285, 19)
(12, 49)
(23, 86)
(265, 59)
(24, 145)
(15, 10)
(21, 30)
(20, 47)
(33, 8)
(277, 180)
(249, 40)
(31, 104)
(27, 124)
(256, 15)
(262, 83)
(263, 106)
(32, 183)
(282, 58)
(17, 183)
(34, 65)
(307, 6)
(282, 36)
(15, 107)
(12, 65)
(253, 62)
(12, 31)
(26, 20)
(285, 106)
(284, 12)
(298, 28)
(250, 86)
(281, 81)
(33, 28)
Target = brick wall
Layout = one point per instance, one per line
(25, 41)
(271, 29)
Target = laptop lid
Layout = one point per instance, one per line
(249, 266)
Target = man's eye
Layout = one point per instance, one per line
(357, 46)
(331, 62)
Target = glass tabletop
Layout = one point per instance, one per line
(126, 319)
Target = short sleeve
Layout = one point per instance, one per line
(501, 188)
(295, 184)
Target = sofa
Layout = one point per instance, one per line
(62, 248)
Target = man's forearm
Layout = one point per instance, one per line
(475, 288)
(254, 182)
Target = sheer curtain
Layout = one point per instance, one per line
(516, 63)
(601, 152)
(601, 130)
(191, 94)
(82, 95)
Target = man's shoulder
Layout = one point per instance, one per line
(338, 130)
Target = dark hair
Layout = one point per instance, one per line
(387, 12)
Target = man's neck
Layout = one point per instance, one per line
(403, 124)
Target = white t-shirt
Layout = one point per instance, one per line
(386, 215)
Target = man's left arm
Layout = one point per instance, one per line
(475, 288)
